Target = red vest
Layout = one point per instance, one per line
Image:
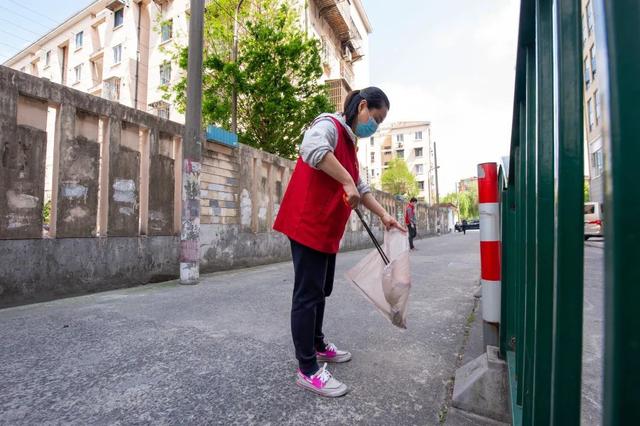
(313, 212)
(407, 219)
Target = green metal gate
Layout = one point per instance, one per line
(542, 214)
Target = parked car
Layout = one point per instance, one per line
(593, 214)
(473, 224)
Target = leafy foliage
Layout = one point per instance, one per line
(466, 202)
(277, 75)
(398, 180)
(587, 192)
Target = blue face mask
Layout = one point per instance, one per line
(367, 129)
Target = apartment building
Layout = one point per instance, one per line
(468, 184)
(408, 140)
(120, 49)
(592, 103)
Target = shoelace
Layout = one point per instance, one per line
(331, 348)
(323, 374)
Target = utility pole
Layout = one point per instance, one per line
(192, 153)
(435, 166)
(234, 59)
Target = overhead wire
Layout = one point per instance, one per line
(29, 18)
(34, 11)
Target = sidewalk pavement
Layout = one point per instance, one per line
(221, 352)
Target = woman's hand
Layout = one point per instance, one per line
(390, 222)
(352, 196)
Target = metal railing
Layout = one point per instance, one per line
(541, 192)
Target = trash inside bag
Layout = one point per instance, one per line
(386, 286)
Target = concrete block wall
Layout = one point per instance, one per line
(114, 174)
(241, 192)
(115, 186)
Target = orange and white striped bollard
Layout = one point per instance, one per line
(489, 207)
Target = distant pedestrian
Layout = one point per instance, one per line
(324, 188)
(410, 220)
(464, 226)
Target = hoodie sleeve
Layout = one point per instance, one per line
(320, 138)
(363, 187)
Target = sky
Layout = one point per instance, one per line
(24, 21)
(450, 62)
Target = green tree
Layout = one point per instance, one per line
(466, 202)
(398, 180)
(587, 193)
(277, 74)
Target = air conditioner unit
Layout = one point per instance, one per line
(346, 53)
(114, 5)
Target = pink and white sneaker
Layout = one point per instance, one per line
(322, 383)
(333, 354)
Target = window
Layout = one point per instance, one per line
(78, 73)
(417, 152)
(400, 138)
(166, 31)
(373, 157)
(165, 73)
(592, 53)
(400, 153)
(591, 114)
(590, 16)
(419, 169)
(589, 208)
(373, 173)
(596, 96)
(597, 163)
(373, 143)
(421, 185)
(418, 136)
(587, 73)
(118, 18)
(117, 54)
(111, 89)
(79, 39)
(584, 29)
(47, 58)
(163, 111)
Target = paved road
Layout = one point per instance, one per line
(593, 333)
(220, 352)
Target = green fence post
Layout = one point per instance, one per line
(512, 267)
(504, 247)
(529, 239)
(620, 58)
(521, 217)
(544, 215)
(569, 228)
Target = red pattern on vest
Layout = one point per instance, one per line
(313, 212)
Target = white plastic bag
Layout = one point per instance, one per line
(387, 287)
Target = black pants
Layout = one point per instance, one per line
(314, 273)
(412, 234)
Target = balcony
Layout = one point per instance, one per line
(114, 5)
(338, 91)
(387, 145)
(346, 72)
(338, 15)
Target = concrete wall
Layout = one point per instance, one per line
(241, 194)
(115, 204)
(113, 175)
